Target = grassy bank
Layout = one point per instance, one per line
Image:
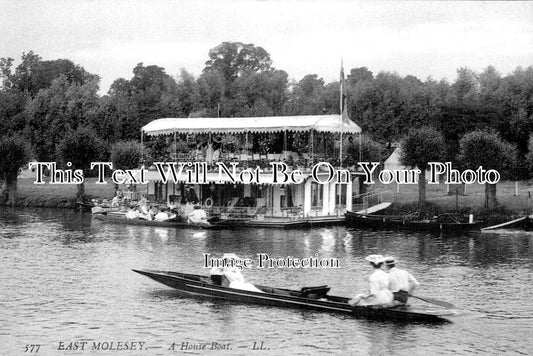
(58, 195)
(514, 198)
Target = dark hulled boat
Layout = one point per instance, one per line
(442, 223)
(119, 218)
(307, 298)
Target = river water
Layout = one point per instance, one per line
(66, 283)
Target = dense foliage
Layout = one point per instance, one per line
(126, 155)
(15, 154)
(530, 155)
(419, 147)
(487, 149)
(77, 150)
(44, 100)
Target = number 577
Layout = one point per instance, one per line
(32, 348)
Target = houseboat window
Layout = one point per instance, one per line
(342, 196)
(316, 194)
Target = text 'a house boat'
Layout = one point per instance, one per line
(300, 142)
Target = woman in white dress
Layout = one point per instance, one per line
(234, 276)
(380, 293)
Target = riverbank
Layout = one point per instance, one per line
(58, 195)
(514, 198)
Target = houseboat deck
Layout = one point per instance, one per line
(283, 223)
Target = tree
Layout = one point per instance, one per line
(529, 156)
(515, 103)
(126, 155)
(371, 151)
(362, 149)
(188, 93)
(466, 88)
(15, 153)
(489, 85)
(12, 119)
(5, 72)
(239, 80)
(419, 147)
(34, 74)
(150, 94)
(80, 147)
(257, 94)
(488, 150)
(232, 59)
(212, 87)
(307, 97)
(359, 74)
(55, 111)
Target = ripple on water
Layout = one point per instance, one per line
(65, 276)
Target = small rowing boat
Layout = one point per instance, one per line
(443, 223)
(307, 298)
(120, 218)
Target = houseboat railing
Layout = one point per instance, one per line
(369, 199)
(226, 212)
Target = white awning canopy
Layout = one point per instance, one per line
(320, 123)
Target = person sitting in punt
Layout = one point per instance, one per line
(117, 199)
(402, 283)
(143, 202)
(380, 293)
(198, 216)
(231, 275)
(163, 215)
(146, 213)
(132, 213)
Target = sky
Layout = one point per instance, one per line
(420, 38)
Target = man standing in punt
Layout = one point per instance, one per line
(402, 283)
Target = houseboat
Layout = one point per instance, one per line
(212, 152)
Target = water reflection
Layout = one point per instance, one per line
(63, 274)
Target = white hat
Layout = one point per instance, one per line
(389, 260)
(375, 258)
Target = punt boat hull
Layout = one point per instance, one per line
(122, 220)
(195, 285)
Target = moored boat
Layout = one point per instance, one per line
(307, 298)
(524, 223)
(442, 223)
(120, 218)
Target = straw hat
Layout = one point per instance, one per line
(389, 260)
(375, 258)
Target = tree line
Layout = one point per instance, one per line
(44, 102)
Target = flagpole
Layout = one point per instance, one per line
(341, 104)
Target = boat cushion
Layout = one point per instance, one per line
(315, 292)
